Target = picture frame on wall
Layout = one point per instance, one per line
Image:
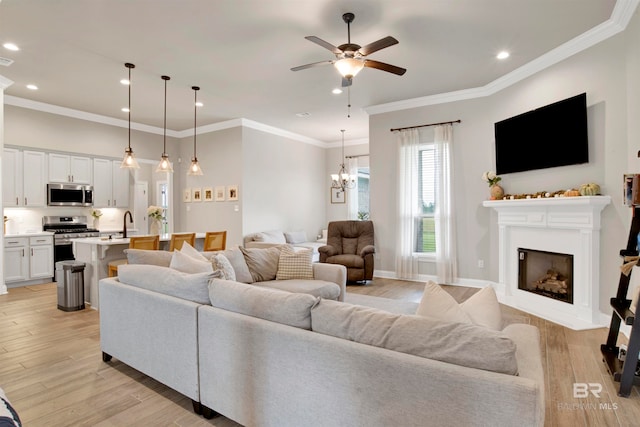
(197, 194)
(220, 193)
(186, 195)
(207, 192)
(232, 192)
(338, 196)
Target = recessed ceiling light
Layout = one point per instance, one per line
(124, 82)
(124, 109)
(32, 87)
(337, 91)
(503, 55)
(305, 114)
(199, 104)
(11, 46)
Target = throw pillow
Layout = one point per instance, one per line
(165, 280)
(295, 237)
(221, 263)
(8, 415)
(144, 256)
(294, 264)
(187, 264)
(288, 308)
(480, 309)
(189, 250)
(275, 236)
(262, 262)
(457, 343)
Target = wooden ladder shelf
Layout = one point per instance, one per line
(624, 372)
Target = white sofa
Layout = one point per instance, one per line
(266, 357)
(297, 239)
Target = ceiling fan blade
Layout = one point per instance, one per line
(314, 64)
(347, 81)
(384, 67)
(377, 45)
(324, 44)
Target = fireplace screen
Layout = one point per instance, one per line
(546, 273)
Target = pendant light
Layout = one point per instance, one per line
(195, 169)
(129, 160)
(165, 164)
(342, 180)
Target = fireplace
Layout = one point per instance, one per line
(552, 227)
(549, 274)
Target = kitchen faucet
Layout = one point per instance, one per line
(124, 223)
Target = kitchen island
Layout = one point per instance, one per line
(97, 252)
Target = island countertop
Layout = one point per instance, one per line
(101, 241)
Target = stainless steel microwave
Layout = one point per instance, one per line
(69, 195)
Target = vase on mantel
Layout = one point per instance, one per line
(497, 192)
(154, 227)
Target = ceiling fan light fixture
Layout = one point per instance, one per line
(349, 67)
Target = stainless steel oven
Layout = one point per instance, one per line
(66, 228)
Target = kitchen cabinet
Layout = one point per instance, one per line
(69, 168)
(28, 258)
(110, 184)
(23, 178)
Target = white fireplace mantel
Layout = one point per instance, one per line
(568, 225)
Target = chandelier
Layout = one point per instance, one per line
(342, 180)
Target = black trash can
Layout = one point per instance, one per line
(70, 280)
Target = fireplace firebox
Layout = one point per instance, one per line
(549, 274)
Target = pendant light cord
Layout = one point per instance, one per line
(164, 144)
(195, 111)
(129, 66)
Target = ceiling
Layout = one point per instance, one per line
(240, 53)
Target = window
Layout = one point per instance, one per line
(425, 221)
(363, 193)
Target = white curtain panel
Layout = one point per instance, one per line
(408, 209)
(352, 200)
(446, 268)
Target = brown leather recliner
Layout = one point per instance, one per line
(350, 243)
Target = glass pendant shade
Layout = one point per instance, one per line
(165, 165)
(194, 168)
(129, 161)
(349, 67)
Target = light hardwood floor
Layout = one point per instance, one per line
(51, 368)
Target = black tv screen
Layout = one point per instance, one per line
(549, 136)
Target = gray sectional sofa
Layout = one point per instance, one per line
(268, 357)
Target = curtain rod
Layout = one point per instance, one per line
(358, 155)
(430, 124)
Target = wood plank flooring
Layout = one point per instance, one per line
(52, 371)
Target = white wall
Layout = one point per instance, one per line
(605, 72)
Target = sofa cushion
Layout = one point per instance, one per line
(221, 263)
(293, 237)
(188, 264)
(8, 415)
(294, 264)
(192, 287)
(144, 256)
(348, 260)
(457, 343)
(274, 236)
(262, 262)
(288, 308)
(189, 250)
(317, 288)
(236, 258)
(482, 308)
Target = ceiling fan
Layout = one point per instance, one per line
(350, 57)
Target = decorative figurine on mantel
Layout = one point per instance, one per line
(497, 192)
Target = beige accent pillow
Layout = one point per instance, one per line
(187, 264)
(262, 262)
(294, 264)
(189, 250)
(273, 236)
(482, 308)
(288, 308)
(221, 263)
(236, 258)
(145, 256)
(457, 343)
(293, 237)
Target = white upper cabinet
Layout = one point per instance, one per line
(11, 177)
(66, 168)
(110, 184)
(23, 178)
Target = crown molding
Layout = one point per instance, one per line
(620, 17)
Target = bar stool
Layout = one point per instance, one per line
(135, 242)
(215, 241)
(177, 240)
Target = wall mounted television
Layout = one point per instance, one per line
(549, 136)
